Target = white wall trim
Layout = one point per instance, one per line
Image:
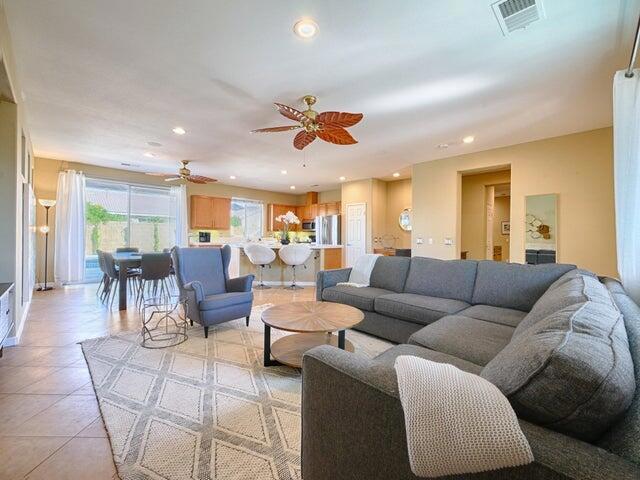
(15, 340)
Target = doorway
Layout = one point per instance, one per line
(485, 215)
(356, 238)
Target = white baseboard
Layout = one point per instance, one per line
(15, 340)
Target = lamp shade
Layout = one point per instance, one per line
(46, 203)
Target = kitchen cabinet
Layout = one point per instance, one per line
(201, 212)
(210, 213)
(276, 210)
(332, 208)
(221, 213)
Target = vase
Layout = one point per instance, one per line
(285, 241)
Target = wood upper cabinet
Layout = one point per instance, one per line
(201, 215)
(276, 210)
(332, 208)
(210, 213)
(221, 213)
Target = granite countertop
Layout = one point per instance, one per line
(4, 287)
(275, 246)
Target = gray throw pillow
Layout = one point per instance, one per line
(571, 372)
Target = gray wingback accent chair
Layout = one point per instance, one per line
(211, 296)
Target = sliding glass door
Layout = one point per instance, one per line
(123, 215)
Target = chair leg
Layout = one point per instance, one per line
(293, 285)
(100, 285)
(261, 285)
(247, 321)
(206, 332)
(191, 321)
(115, 292)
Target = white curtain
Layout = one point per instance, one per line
(179, 207)
(626, 159)
(69, 250)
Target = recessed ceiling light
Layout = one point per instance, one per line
(292, 187)
(305, 28)
(342, 179)
(468, 139)
(283, 172)
(396, 174)
(232, 177)
(443, 145)
(179, 131)
(149, 154)
(154, 144)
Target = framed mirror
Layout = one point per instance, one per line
(405, 220)
(541, 229)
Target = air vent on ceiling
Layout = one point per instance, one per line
(516, 14)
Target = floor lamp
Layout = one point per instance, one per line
(47, 204)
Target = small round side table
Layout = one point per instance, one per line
(164, 322)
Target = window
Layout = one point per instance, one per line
(122, 215)
(246, 218)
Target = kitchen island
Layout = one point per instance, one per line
(323, 257)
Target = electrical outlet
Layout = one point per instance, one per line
(448, 241)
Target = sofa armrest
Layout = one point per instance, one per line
(329, 278)
(196, 288)
(353, 427)
(240, 284)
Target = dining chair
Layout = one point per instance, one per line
(127, 250)
(105, 278)
(155, 269)
(113, 278)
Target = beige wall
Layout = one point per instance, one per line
(326, 197)
(378, 212)
(13, 124)
(46, 180)
(502, 213)
(398, 198)
(473, 230)
(578, 167)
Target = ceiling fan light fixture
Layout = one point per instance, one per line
(305, 28)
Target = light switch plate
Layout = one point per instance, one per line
(419, 241)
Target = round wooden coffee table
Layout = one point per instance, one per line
(313, 323)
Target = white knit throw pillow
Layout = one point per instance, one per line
(456, 422)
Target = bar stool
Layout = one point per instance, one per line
(294, 255)
(261, 256)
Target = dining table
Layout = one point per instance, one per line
(125, 261)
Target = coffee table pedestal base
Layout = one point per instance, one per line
(288, 350)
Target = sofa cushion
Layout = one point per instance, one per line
(467, 338)
(503, 316)
(571, 274)
(442, 278)
(222, 300)
(577, 288)
(511, 285)
(359, 297)
(571, 372)
(417, 308)
(390, 273)
(388, 357)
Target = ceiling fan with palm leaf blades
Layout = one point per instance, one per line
(184, 174)
(327, 126)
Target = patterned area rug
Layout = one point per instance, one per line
(205, 409)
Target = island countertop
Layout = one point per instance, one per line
(274, 246)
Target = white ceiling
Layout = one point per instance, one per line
(103, 78)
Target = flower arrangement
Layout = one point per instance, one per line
(287, 219)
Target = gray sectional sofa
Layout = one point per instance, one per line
(560, 343)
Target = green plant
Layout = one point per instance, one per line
(156, 230)
(236, 221)
(96, 215)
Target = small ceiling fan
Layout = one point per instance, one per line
(184, 174)
(327, 126)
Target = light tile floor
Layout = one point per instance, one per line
(50, 425)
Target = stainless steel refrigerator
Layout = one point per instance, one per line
(328, 230)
